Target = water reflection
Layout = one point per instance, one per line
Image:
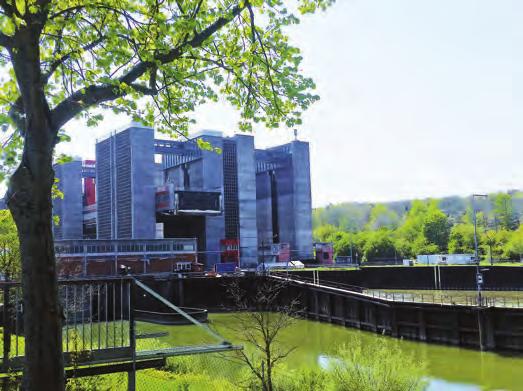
(325, 362)
(442, 385)
(449, 368)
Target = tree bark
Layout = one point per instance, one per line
(29, 199)
(30, 205)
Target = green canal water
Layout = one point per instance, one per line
(447, 368)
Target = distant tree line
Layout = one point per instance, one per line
(402, 230)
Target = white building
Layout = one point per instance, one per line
(445, 259)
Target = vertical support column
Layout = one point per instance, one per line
(393, 322)
(481, 329)
(329, 307)
(316, 305)
(373, 317)
(180, 291)
(340, 305)
(456, 329)
(357, 309)
(346, 308)
(422, 326)
(490, 338)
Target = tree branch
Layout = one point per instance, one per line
(6, 41)
(55, 64)
(95, 94)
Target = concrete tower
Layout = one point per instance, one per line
(125, 190)
(69, 209)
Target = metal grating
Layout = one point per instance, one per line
(230, 190)
(123, 184)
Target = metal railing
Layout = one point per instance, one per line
(445, 298)
(430, 297)
(99, 330)
(97, 318)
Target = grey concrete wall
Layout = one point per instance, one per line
(104, 197)
(142, 182)
(263, 207)
(197, 181)
(159, 175)
(212, 180)
(125, 188)
(247, 200)
(302, 198)
(70, 208)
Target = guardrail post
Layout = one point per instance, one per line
(7, 329)
(131, 375)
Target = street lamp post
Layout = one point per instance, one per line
(479, 276)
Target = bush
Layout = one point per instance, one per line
(375, 367)
(306, 380)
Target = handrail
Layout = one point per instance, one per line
(163, 300)
(407, 297)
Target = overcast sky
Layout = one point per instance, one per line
(419, 98)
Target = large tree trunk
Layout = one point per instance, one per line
(29, 199)
(30, 204)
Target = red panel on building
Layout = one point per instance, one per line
(230, 251)
(89, 191)
(284, 252)
(89, 185)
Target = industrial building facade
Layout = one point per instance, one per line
(240, 204)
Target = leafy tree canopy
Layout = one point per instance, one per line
(461, 239)
(436, 228)
(177, 54)
(382, 217)
(504, 211)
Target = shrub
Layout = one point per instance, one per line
(375, 366)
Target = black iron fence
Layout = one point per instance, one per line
(97, 320)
